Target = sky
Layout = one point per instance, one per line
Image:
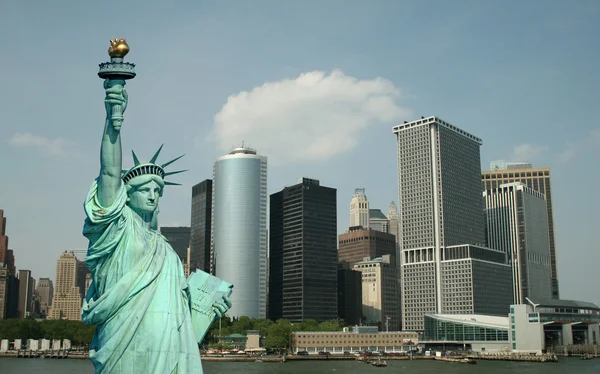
(316, 86)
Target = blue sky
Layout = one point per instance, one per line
(319, 84)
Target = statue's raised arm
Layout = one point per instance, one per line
(109, 179)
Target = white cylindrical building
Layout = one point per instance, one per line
(239, 229)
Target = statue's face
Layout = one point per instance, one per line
(144, 198)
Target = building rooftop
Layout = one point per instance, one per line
(376, 213)
(473, 319)
(565, 304)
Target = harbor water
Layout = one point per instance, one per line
(564, 366)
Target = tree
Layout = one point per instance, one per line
(307, 325)
(278, 335)
(333, 325)
(262, 325)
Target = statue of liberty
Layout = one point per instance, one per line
(148, 317)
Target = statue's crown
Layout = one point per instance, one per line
(150, 168)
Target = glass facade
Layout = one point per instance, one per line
(437, 329)
(200, 254)
(537, 179)
(304, 257)
(239, 231)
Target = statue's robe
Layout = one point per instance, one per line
(138, 298)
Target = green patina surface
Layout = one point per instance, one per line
(149, 317)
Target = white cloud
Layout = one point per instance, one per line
(527, 152)
(574, 149)
(311, 118)
(55, 147)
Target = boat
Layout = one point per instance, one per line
(586, 356)
(379, 363)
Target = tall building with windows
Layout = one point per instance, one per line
(380, 304)
(303, 252)
(9, 284)
(179, 239)
(349, 294)
(25, 293)
(66, 303)
(239, 229)
(45, 291)
(517, 224)
(358, 243)
(378, 221)
(439, 190)
(3, 238)
(200, 254)
(538, 179)
(359, 209)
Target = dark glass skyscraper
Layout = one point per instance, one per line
(179, 238)
(303, 252)
(200, 226)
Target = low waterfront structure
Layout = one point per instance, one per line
(361, 338)
(528, 328)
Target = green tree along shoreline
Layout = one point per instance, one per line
(276, 333)
(76, 331)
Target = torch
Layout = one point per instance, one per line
(117, 71)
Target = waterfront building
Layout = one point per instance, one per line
(358, 243)
(45, 291)
(201, 221)
(439, 190)
(517, 224)
(380, 296)
(378, 221)
(528, 328)
(303, 252)
(361, 338)
(359, 209)
(179, 239)
(538, 179)
(67, 300)
(239, 229)
(349, 294)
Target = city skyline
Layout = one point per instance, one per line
(517, 88)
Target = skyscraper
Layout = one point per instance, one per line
(538, 179)
(359, 209)
(378, 221)
(25, 293)
(200, 255)
(517, 223)
(9, 284)
(349, 294)
(303, 252)
(67, 295)
(45, 290)
(239, 224)
(445, 268)
(394, 229)
(356, 244)
(3, 238)
(179, 239)
(380, 292)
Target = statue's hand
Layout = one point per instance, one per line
(115, 95)
(221, 307)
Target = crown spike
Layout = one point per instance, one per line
(136, 162)
(170, 162)
(153, 160)
(174, 172)
(172, 184)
